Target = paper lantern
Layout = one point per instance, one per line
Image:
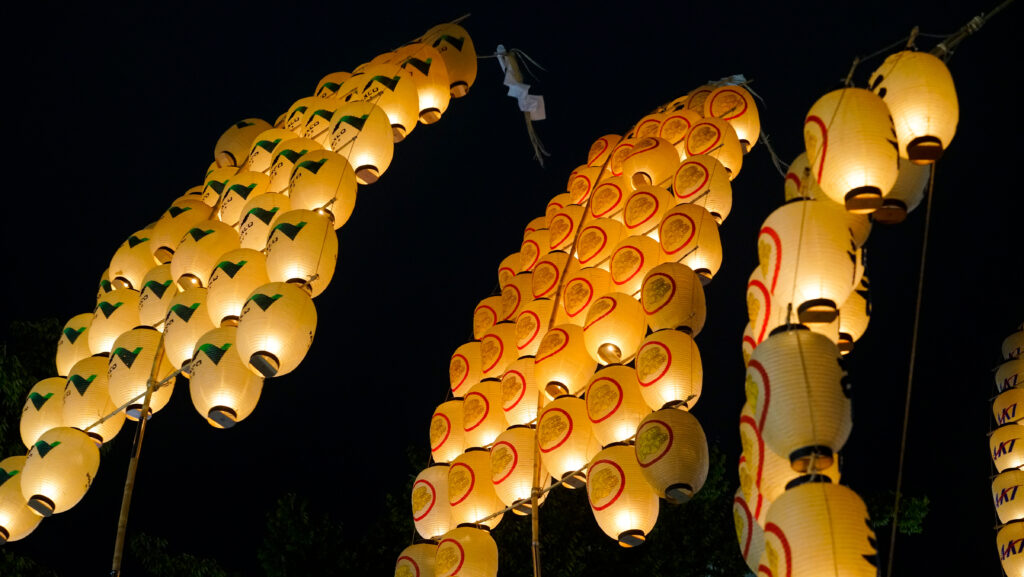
(329, 84)
(237, 192)
(261, 151)
(104, 285)
(215, 183)
(716, 138)
(808, 255)
(918, 90)
(618, 158)
(562, 228)
(276, 328)
(601, 150)
(324, 181)
(259, 216)
(776, 475)
(763, 311)
(646, 126)
(224, 390)
(1010, 374)
(849, 136)
(485, 315)
(416, 560)
(702, 180)
(630, 261)
(519, 392)
(482, 417)
(470, 493)
(563, 365)
(236, 275)
(393, 90)
(748, 344)
(362, 133)
(535, 245)
(748, 532)
(512, 462)
(295, 117)
(43, 409)
(187, 320)
(73, 344)
(614, 404)
(466, 552)
(672, 452)
(286, 157)
(800, 182)
(17, 519)
(819, 528)
(446, 431)
(430, 75)
(614, 327)
(675, 126)
(582, 181)
(624, 504)
(459, 55)
(198, 252)
(1006, 454)
(232, 148)
(132, 260)
(688, 234)
(431, 513)
(598, 240)
(651, 162)
(317, 120)
(554, 206)
(566, 440)
(669, 370)
(58, 470)
(515, 294)
(535, 224)
(806, 415)
(906, 194)
(302, 249)
(87, 399)
(1006, 487)
(547, 274)
(645, 208)
(735, 105)
(672, 297)
(133, 363)
(695, 99)
(854, 316)
(1013, 345)
(581, 290)
(172, 226)
(116, 312)
(465, 368)
(1010, 544)
(508, 268)
(532, 324)
(609, 198)
(158, 290)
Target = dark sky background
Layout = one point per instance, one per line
(113, 113)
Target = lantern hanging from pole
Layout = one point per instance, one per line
(1008, 543)
(849, 138)
(614, 405)
(651, 162)
(676, 125)
(644, 209)
(854, 316)
(237, 274)
(459, 56)
(87, 399)
(1013, 345)
(582, 181)
(519, 392)
(418, 559)
(1008, 406)
(688, 234)
(224, 390)
(286, 157)
(618, 157)
(482, 417)
(563, 365)
(624, 504)
(43, 409)
(431, 513)
(672, 452)
(702, 180)
(59, 469)
(214, 184)
(906, 194)
(132, 365)
(694, 100)
(466, 552)
(447, 432)
(562, 227)
(800, 182)
(609, 198)
(197, 253)
(598, 240)
(73, 344)
(316, 124)
(614, 327)
(672, 297)
(104, 286)
(716, 138)
(393, 90)
(763, 312)
(535, 245)
(554, 206)
(465, 368)
(324, 181)
(630, 261)
(276, 328)
(512, 460)
(361, 132)
(748, 531)
(581, 290)
(232, 147)
(1008, 496)
(17, 519)
(173, 225)
(1010, 374)
(187, 320)
(1006, 453)
(430, 75)
(646, 126)
(548, 273)
(259, 216)
(302, 249)
(485, 315)
(532, 324)
(158, 290)
(295, 117)
(535, 224)
(117, 312)
(241, 188)
(132, 260)
(669, 370)
(470, 492)
(515, 295)
(918, 90)
(508, 268)
(261, 151)
(735, 105)
(329, 84)
(566, 440)
(601, 149)
(748, 344)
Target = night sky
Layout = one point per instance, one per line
(113, 113)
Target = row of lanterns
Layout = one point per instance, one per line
(866, 159)
(220, 288)
(1007, 456)
(587, 356)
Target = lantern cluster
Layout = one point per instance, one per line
(220, 288)
(1007, 456)
(587, 359)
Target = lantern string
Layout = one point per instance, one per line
(910, 373)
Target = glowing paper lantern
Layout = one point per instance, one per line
(614, 327)
(172, 226)
(918, 90)
(582, 181)
(669, 370)
(1013, 345)
(854, 316)
(702, 180)
(17, 520)
(465, 367)
(820, 529)
(1006, 488)
(416, 560)
(689, 235)
(695, 99)
(431, 513)
(470, 493)
(485, 315)
(614, 404)
(158, 290)
(624, 504)
(548, 273)
(598, 240)
(645, 208)
(672, 297)
(581, 290)
(519, 392)
(554, 206)
(329, 85)
(302, 249)
(716, 138)
(1009, 374)
(232, 148)
(259, 216)
(43, 409)
(87, 399)
(117, 312)
(601, 150)
(131, 366)
(748, 344)
(531, 324)
(324, 181)
(215, 183)
(672, 452)
(609, 198)
(646, 126)
(763, 312)
(238, 273)
(286, 157)
(906, 194)
(187, 320)
(1006, 453)
(651, 162)
(295, 118)
(459, 55)
(535, 224)
(466, 552)
(749, 533)
(261, 153)
(316, 123)
(535, 245)
(446, 431)
(224, 390)
(508, 268)
(618, 158)
(73, 344)
(566, 440)
(735, 105)
(362, 133)
(237, 192)
(562, 364)
(1009, 542)
(562, 227)
(848, 136)
(512, 463)
(393, 90)
(132, 261)
(276, 328)
(59, 469)
(630, 261)
(198, 252)
(676, 125)
(515, 294)
(430, 75)
(104, 286)
(482, 417)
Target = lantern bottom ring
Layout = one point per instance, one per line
(632, 538)
(555, 389)
(121, 283)
(892, 211)
(134, 412)
(924, 149)
(845, 343)
(459, 89)
(811, 458)
(642, 179)
(367, 174)
(229, 321)
(609, 353)
(265, 363)
(679, 493)
(704, 275)
(398, 132)
(523, 509)
(4, 535)
(574, 480)
(430, 115)
(863, 199)
(164, 254)
(821, 311)
(222, 417)
(188, 281)
(95, 437)
(42, 505)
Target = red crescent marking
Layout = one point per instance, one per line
(778, 247)
(668, 363)
(710, 146)
(645, 123)
(536, 253)
(671, 438)
(464, 375)
(693, 231)
(472, 483)
(638, 268)
(519, 299)
(824, 143)
(618, 191)
(487, 409)
(731, 91)
(554, 243)
(657, 205)
(411, 562)
(767, 309)
(668, 300)
(760, 458)
(777, 531)
(604, 242)
(606, 313)
(590, 295)
(603, 141)
(699, 187)
(567, 433)
(684, 119)
(536, 330)
(433, 499)
(636, 151)
(501, 351)
(553, 282)
(750, 527)
(462, 554)
(522, 391)
(622, 485)
(754, 364)
(796, 180)
(750, 340)
(619, 173)
(589, 184)
(617, 403)
(448, 430)
(565, 343)
(515, 461)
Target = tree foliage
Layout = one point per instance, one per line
(26, 357)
